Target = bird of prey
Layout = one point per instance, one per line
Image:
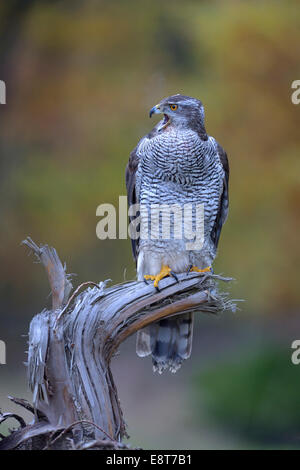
(176, 163)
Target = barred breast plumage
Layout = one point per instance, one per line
(177, 167)
(177, 164)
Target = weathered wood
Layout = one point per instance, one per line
(70, 348)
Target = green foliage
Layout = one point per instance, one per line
(256, 396)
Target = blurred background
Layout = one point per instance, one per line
(81, 78)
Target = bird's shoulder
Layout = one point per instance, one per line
(222, 155)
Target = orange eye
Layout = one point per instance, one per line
(173, 107)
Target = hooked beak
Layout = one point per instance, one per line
(166, 121)
(155, 110)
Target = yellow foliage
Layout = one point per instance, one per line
(83, 81)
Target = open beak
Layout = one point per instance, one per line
(155, 110)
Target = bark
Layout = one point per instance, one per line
(75, 401)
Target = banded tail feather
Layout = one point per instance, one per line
(169, 341)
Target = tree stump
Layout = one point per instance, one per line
(75, 401)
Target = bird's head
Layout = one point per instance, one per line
(180, 111)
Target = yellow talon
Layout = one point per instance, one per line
(164, 272)
(198, 270)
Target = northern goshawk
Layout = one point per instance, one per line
(176, 165)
